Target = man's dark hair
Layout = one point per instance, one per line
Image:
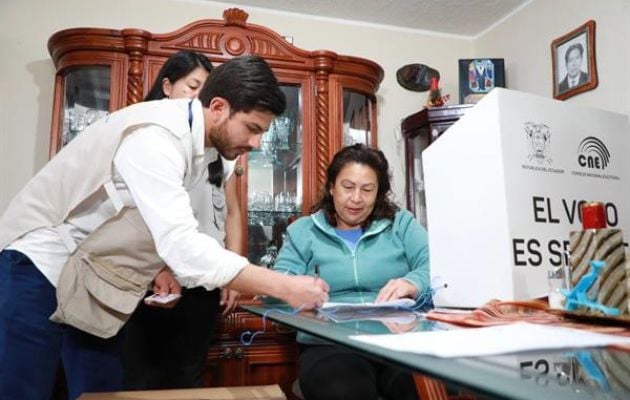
(574, 46)
(247, 83)
(175, 68)
(384, 207)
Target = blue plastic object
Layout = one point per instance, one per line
(593, 371)
(578, 296)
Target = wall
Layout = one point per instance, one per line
(524, 41)
(27, 73)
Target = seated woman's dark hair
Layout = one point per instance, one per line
(384, 207)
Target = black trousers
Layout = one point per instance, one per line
(332, 372)
(167, 348)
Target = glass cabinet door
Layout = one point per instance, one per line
(357, 118)
(420, 129)
(86, 99)
(415, 146)
(274, 189)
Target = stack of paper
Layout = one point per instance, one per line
(399, 303)
(395, 311)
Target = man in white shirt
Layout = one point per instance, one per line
(575, 76)
(146, 157)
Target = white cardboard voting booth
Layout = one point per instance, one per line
(503, 188)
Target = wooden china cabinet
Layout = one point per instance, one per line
(330, 103)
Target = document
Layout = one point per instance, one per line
(384, 315)
(511, 338)
(396, 311)
(399, 303)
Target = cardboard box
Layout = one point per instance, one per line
(270, 392)
(503, 189)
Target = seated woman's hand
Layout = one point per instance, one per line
(396, 289)
(397, 327)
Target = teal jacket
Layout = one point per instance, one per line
(387, 250)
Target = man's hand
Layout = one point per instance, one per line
(396, 289)
(229, 299)
(306, 292)
(165, 283)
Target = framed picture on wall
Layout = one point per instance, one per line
(479, 76)
(573, 58)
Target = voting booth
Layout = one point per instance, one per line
(504, 186)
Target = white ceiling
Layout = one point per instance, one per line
(455, 17)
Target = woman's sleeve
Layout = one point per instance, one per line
(289, 262)
(290, 259)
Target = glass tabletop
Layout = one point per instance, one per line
(596, 373)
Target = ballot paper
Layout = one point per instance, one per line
(338, 307)
(511, 338)
(384, 315)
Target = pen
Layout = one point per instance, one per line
(316, 271)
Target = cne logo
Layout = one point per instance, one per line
(593, 153)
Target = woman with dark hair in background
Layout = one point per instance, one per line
(367, 250)
(166, 347)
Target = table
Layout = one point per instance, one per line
(561, 374)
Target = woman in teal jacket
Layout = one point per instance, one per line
(367, 250)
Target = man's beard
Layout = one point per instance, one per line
(221, 142)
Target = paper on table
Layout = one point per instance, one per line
(399, 303)
(385, 315)
(493, 340)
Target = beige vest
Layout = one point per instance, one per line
(107, 275)
(109, 272)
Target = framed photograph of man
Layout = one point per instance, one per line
(479, 76)
(573, 57)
